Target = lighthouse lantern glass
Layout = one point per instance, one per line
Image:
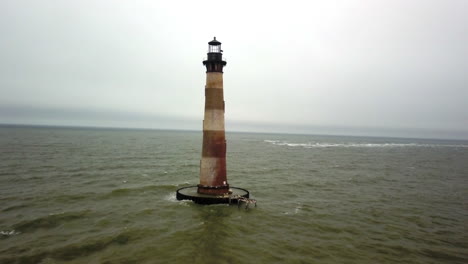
(214, 48)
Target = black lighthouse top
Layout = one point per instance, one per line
(214, 62)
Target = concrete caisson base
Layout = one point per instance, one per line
(190, 193)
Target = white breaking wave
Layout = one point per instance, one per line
(171, 197)
(9, 233)
(357, 145)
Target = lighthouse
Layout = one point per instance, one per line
(213, 187)
(213, 178)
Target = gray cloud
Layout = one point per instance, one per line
(360, 67)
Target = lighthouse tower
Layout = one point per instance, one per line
(213, 178)
(213, 187)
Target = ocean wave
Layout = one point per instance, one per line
(358, 145)
(171, 197)
(81, 248)
(138, 190)
(14, 207)
(49, 221)
(9, 233)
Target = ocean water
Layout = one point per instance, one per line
(81, 195)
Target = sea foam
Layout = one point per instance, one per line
(358, 145)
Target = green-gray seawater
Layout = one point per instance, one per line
(80, 195)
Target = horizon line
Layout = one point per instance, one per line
(227, 131)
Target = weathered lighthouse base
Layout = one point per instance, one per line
(190, 193)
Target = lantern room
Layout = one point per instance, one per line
(214, 46)
(214, 61)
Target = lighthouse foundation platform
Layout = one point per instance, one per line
(191, 193)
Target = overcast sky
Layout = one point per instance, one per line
(388, 68)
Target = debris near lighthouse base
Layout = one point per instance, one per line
(190, 193)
